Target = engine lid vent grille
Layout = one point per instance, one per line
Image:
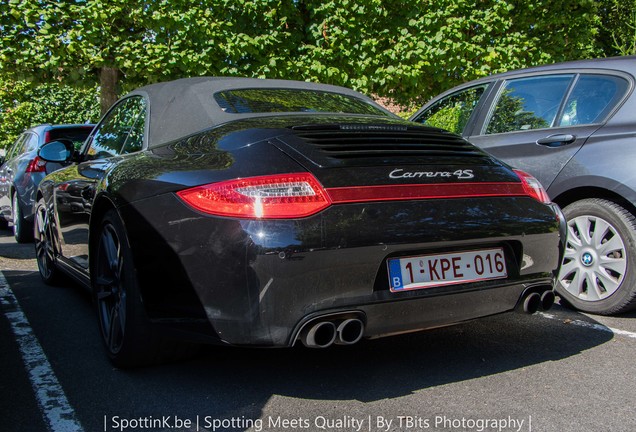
(370, 141)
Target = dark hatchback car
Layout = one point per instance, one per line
(572, 126)
(264, 212)
(22, 170)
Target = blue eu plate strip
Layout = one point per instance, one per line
(395, 274)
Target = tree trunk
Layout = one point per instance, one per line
(109, 87)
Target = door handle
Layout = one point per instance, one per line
(557, 140)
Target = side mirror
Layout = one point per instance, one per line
(57, 151)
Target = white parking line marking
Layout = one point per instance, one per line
(593, 326)
(50, 396)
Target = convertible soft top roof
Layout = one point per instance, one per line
(185, 106)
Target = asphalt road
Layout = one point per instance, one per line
(559, 371)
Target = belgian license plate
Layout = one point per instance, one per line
(429, 271)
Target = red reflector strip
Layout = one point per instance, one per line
(342, 195)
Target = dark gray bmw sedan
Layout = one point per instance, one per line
(572, 126)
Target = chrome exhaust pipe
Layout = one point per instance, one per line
(547, 300)
(319, 335)
(349, 331)
(532, 303)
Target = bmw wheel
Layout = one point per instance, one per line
(44, 244)
(21, 228)
(597, 274)
(130, 339)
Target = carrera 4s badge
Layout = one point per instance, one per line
(399, 173)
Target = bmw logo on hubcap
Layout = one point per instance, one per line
(587, 259)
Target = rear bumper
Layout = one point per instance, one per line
(258, 282)
(396, 317)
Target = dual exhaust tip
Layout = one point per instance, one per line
(324, 333)
(532, 302)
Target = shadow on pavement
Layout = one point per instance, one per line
(229, 382)
(11, 250)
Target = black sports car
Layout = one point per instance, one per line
(264, 212)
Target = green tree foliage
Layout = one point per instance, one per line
(405, 50)
(23, 105)
(412, 51)
(618, 30)
(140, 40)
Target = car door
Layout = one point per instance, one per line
(538, 123)
(77, 185)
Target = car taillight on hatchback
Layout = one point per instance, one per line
(532, 187)
(36, 165)
(281, 196)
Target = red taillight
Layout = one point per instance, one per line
(267, 197)
(287, 196)
(533, 187)
(36, 165)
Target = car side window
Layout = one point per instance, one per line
(592, 99)
(453, 111)
(16, 148)
(109, 137)
(135, 140)
(20, 145)
(31, 142)
(528, 103)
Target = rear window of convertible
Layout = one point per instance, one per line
(291, 100)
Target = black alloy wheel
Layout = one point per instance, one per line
(111, 291)
(44, 244)
(129, 337)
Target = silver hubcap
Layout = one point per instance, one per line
(595, 259)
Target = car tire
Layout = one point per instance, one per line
(598, 273)
(22, 229)
(129, 337)
(45, 253)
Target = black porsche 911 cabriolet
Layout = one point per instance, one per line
(267, 212)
